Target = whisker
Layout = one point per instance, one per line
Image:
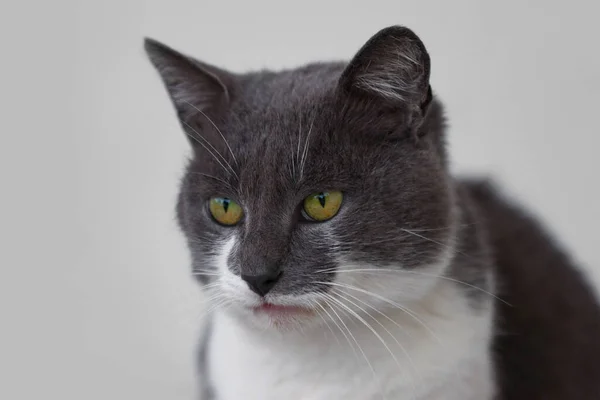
(397, 239)
(376, 310)
(218, 130)
(199, 269)
(445, 228)
(299, 141)
(212, 296)
(293, 166)
(305, 151)
(365, 323)
(327, 270)
(403, 271)
(327, 323)
(399, 306)
(212, 177)
(203, 273)
(343, 295)
(410, 232)
(327, 302)
(211, 285)
(436, 242)
(217, 305)
(331, 305)
(210, 152)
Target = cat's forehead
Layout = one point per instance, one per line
(276, 112)
(265, 99)
(285, 128)
(268, 88)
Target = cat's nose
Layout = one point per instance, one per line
(263, 283)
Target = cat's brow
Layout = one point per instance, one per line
(218, 130)
(211, 153)
(306, 145)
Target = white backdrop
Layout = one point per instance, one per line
(97, 302)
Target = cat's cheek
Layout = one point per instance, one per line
(388, 286)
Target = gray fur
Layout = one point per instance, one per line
(369, 128)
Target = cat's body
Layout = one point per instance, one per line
(416, 286)
(547, 334)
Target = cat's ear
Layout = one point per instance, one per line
(194, 86)
(393, 67)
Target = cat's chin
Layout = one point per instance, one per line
(276, 317)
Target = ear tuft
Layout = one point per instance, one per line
(393, 66)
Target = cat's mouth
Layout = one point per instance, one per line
(277, 310)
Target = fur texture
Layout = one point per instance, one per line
(421, 287)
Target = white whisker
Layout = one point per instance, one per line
(204, 273)
(211, 153)
(365, 323)
(434, 241)
(327, 323)
(403, 271)
(299, 141)
(218, 130)
(376, 310)
(393, 303)
(332, 307)
(212, 177)
(343, 295)
(338, 326)
(305, 151)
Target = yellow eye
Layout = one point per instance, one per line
(225, 211)
(322, 206)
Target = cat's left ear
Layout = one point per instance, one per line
(393, 68)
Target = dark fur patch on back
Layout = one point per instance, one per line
(547, 342)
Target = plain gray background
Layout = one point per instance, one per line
(96, 297)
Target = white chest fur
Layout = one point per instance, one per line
(448, 359)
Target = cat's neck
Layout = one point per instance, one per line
(415, 352)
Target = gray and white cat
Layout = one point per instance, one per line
(343, 261)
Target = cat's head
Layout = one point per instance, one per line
(316, 189)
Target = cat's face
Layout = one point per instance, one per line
(314, 191)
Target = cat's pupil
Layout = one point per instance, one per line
(321, 198)
(225, 204)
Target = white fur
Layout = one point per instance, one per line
(444, 355)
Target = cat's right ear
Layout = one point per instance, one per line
(194, 87)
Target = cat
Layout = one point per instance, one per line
(341, 258)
